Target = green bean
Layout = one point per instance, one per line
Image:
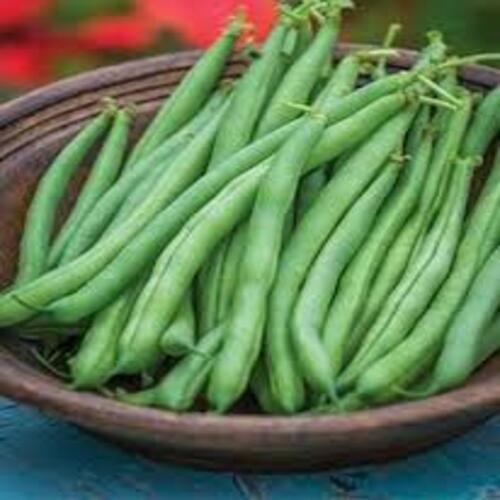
(310, 187)
(210, 111)
(93, 364)
(70, 277)
(475, 246)
(209, 294)
(117, 260)
(390, 37)
(179, 337)
(485, 126)
(189, 96)
(490, 342)
(242, 343)
(179, 388)
(430, 331)
(492, 237)
(287, 55)
(419, 129)
(99, 218)
(183, 170)
(419, 284)
(342, 83)
(319, 287)
(230, 270)
(408, 379)
(306, 241)
(39, 224)
(463, 339)
(249, 98)
(386, 376)
(304, 36)
(444, 152)
(400, 252)
(300, 79)
(261, 387)
(405, 302)
(391, 221)
(175, 270)
(357, 278)
(428, 334)
(102, 176)
(434, 53)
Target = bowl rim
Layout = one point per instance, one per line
(22, 382)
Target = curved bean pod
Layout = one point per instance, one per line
(179, 337)
(420, 283)
(93, 364)
(485, 126)
(319, 287)
(99, 218)
(188, 134)
(178, 389)
(381, 375)
(463, 339)
(39, 224)
(299, 81)
(392, 220)
(249, 98)
(261, 387)
(404, 246)
(242, 343)
(102, 176)
(306, 241)
(189, 96)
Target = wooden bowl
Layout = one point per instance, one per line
(33, 128)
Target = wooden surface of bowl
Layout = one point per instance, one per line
(32, 129)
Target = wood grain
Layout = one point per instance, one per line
(32, 130)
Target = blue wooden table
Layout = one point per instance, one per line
(44, 459)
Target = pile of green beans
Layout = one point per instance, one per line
(303, 238)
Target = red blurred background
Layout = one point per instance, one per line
(42, 40)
